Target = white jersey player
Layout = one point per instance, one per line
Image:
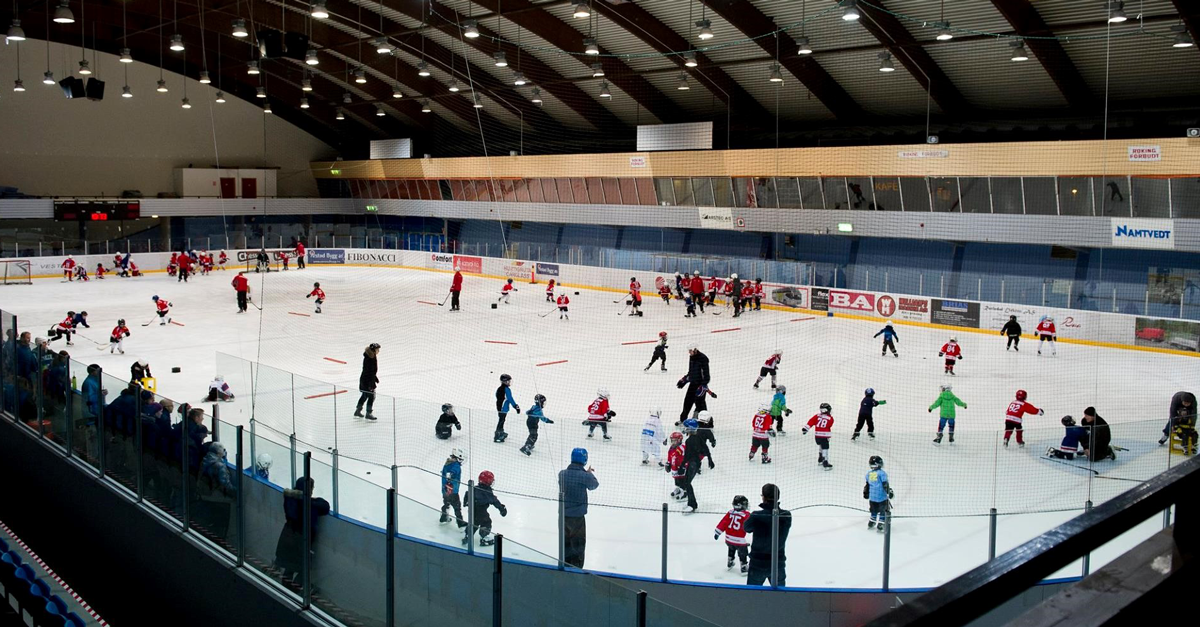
(653, 437)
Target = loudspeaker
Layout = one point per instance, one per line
(95, 89)
(270, 44)
(1193, 132)
(295, 45)
(932, 139)
(72, 87)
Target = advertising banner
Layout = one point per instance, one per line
(902, 308)
(440, 261)
(1176, 334)
(820, 299)
(854, 301)
(373, 258)
(547, 269)
(518, 269)
(955, 313)
(320, 256)
(790, 297)
(471, 265)
(995, 315)
(715, 217)
(1154, 233)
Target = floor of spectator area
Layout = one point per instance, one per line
(431, 356)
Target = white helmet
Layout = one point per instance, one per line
(602, 392)
(946, 387)
(69, 257)
(693, 347)
(703, 416)
(458, 454)
(220, 377)
(777, 351)
(764, 406)
(733, 276)
(141, 362)
(1050, 318)
(656, 411)
(263, 462)
(953, 341)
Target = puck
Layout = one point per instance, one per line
(175, 369)
(493, 305)
(577, 293)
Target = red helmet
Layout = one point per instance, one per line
(486, 478)
(1021, 395)
(662, 334)
(677, 436)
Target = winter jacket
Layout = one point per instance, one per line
(1098, 437)
(293, 510)
(504, 399)
(888, 333)
(1177, 404)
(697, 369)
(92, 395)
(480, 500)
(574, 481)
(778, 405)
(947, 400)
(1010, 328)
(451, 476)
(370, 371)
(696, 446)
(445, 422)
(759, 524)
(213, 466)
(866, 409)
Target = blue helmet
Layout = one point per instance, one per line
(579, 456)
(691, 424)
(870, 392)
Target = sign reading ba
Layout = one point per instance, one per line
(1143, 233)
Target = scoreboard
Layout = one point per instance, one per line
(97, 210)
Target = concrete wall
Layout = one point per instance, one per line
(53, 146)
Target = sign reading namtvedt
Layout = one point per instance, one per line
(547, 269)
(326, 255)
(472, 265)
(955, 313)
(1143, 233)
(819, 299)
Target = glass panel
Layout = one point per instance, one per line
(702, 190)
(1041, 196)
(944, 191)
(1185, 197)
(353, 590)
(483, 191)
(975, 195)
(629, 191)
(265, 517)
(860, 193)
(1150, 198)
(665, 191)
(521, 190)
(835, 193)
(1006, 195)
(789, 192)
(456, 190)
(161, 484)
(683, 192)
(887, 193)
(535, 190)
(612, 192)
(550, 189)
(765, 194)
(56, 382)
(1112, 196)
(580, 190)
(506, 189)
(646, 192)
(444, 187)
(564, 190)
(120, 413)
(1074, 196)
(743, 193)
(810, 193)
(722, 192)
(595, 191)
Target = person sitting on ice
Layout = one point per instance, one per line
(81, 273)
(1070, 446)
(100, 271)
(445, 422)
(218, 390)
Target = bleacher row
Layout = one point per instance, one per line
(32, 594)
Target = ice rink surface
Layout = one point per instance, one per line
(431, 356)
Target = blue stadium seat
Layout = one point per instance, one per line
(3, 546)
(73, 620)
(56, 607)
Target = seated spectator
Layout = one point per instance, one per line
(57, 381)
(120, 413)
(197, 433)
(218, 390)
(289, 551)
(213, 467)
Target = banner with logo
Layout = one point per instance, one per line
(955, 313)
(470, 265)
(547, 269)
(902, 308)
(372, 258)
(995, 315)
(320, 256)
(790, 297)
(1176, 334)
(1143, 233)
(715, 217)
(439, 261)
(518, 269)
(820, 299)
(863, 302)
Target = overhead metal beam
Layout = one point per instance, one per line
(1025, 19)
(752, 22)
(896, 38)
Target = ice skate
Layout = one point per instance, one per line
(826, 465)
(443, 519)
(358, 413)
(486, 541)
(606, 437)
(938, 439)
(1163, 440)
(664, 368)
(647, 368)
(780, 431)
(766, 460)
(871, 524)
(854, 437)
(952, 374)
(370, 416)
(591, 435)
(528, 452)
(879, 528)
(756, 386)
(751, 458)
(1005, 442)
(1020, 445)
(729, 563)
(688, 509)
(499, 437)
(772, 385)
(952, 438)
(745, 568)
(871, 434)
(896, 355)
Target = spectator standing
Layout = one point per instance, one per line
(367, 381)
(289, 550)
(93, 393)
(242, 286)
(573, 484)
(760, 524)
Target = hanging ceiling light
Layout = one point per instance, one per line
(425, 107)
(597, 70)
(1018, 51)
(944, 33)
(604, 93)
(310, 57)
(683, 82)
(689, 59)
(252, 68)
(454, 85)
(126, 55)
(590, 47)
(850, 11)
(360, 76)
(162, 86)
(470, 29)
(239, 28)
(15, 32)
(186, 104)
(536, 96)
(501, 59)
(306, 84)
(18, 85)
(705, 27)
(379, 111)
(581, 10)
(346, 99)
(340, 114)
(83, 67)
(260, 92)
(422, 69)
(126, 93)
(1182, 38)
(204, 79)
(1116, 13)
(519, 79)
(267, 108)
(382, 46)
(303, 102)
(478, 103)
(220, 97)
(63, 14)
(776, 76)
(885, 62)
(803, 45)
(396, 93)
(48, 78)
(177, 42)
(319, 9)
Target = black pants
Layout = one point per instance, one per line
(300, 262)
(692, 470)
(183, 275)
(241, 297)
(760, 571)
(451, 501)
(737, 549)
(867, 420)
(1013, 340)
(368, 397)
(500, 423)
(758, 303)
(659, 354)
(887, 344)
(698, 297)
(603, 424)
(737, 305)
(575, 539)
(454, 300)
(532, 424)
(693, 399)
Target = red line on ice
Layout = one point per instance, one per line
(178, 323)
(551, 363)
(726, 330)
(498, 342)
(425, 302)
(300, 314)
(641, 342)
(802, 319)
(336, 361)
(325, 394)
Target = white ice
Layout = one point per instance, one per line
(431, 356)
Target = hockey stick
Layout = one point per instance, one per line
(1067, 463)
(622, 312)
(548, 312)
(148, 322)
(443, 303)
(627, 295)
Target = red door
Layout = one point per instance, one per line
(228, 188)
(249, 188)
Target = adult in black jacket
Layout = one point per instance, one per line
(736, 294)
(697, 445)
(759, 524)
(696, 381)
(1183, 405)
(1012, 329)
(367, 381)
(1096, 445)
(289, 550)
(479, 500)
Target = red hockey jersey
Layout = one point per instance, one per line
(951, 350)
(675, 461)
(1018, 409)
(762, 423)
(822, 425)
(598, 410)
(734, 526)
(1045, 327)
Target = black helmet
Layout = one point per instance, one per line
(876, 462)
(316, 284)
(539, 399)
(505, 378)
(447, 408)
(740, 502)
(1068, 421)
(826, 408)
(121, 322)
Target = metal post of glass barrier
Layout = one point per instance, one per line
(641, 608)
(887, 550)
(40, 397)
(139, 468)
(240, 501)
(664, 541)
(775, 541)
(1087, 557)
(992, 534)
(306, 558)
(335, 481)
(292, 458)
(562, 531)
(498, 582)
(390, 556)
(186, 492)
(69, 436)
(470, 516)
(100, 434)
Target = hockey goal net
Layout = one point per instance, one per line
(249, 258)
(15, 272)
